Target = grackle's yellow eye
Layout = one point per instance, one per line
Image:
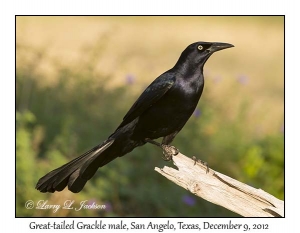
(200, 47)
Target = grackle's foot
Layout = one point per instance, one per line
(202, 162)
(169, 151)
(205, 164)
(195, 159)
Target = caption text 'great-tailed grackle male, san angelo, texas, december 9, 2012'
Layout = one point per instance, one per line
(161, 111)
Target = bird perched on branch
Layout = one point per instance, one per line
(161, 111)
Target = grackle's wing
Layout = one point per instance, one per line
(152, 93)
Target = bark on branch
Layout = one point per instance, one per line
(221, 189)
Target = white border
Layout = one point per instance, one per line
(170, 7)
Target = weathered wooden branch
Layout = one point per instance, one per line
(221, 189)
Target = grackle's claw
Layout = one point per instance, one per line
(202, 162)
(169, 151)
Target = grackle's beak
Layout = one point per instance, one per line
(216, 46)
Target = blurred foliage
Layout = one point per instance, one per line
(58, 122)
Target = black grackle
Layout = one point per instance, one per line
(161, 111)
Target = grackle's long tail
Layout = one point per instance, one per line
(77, 172)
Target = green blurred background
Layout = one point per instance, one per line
(77, 77)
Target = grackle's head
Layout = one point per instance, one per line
(198, 52)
